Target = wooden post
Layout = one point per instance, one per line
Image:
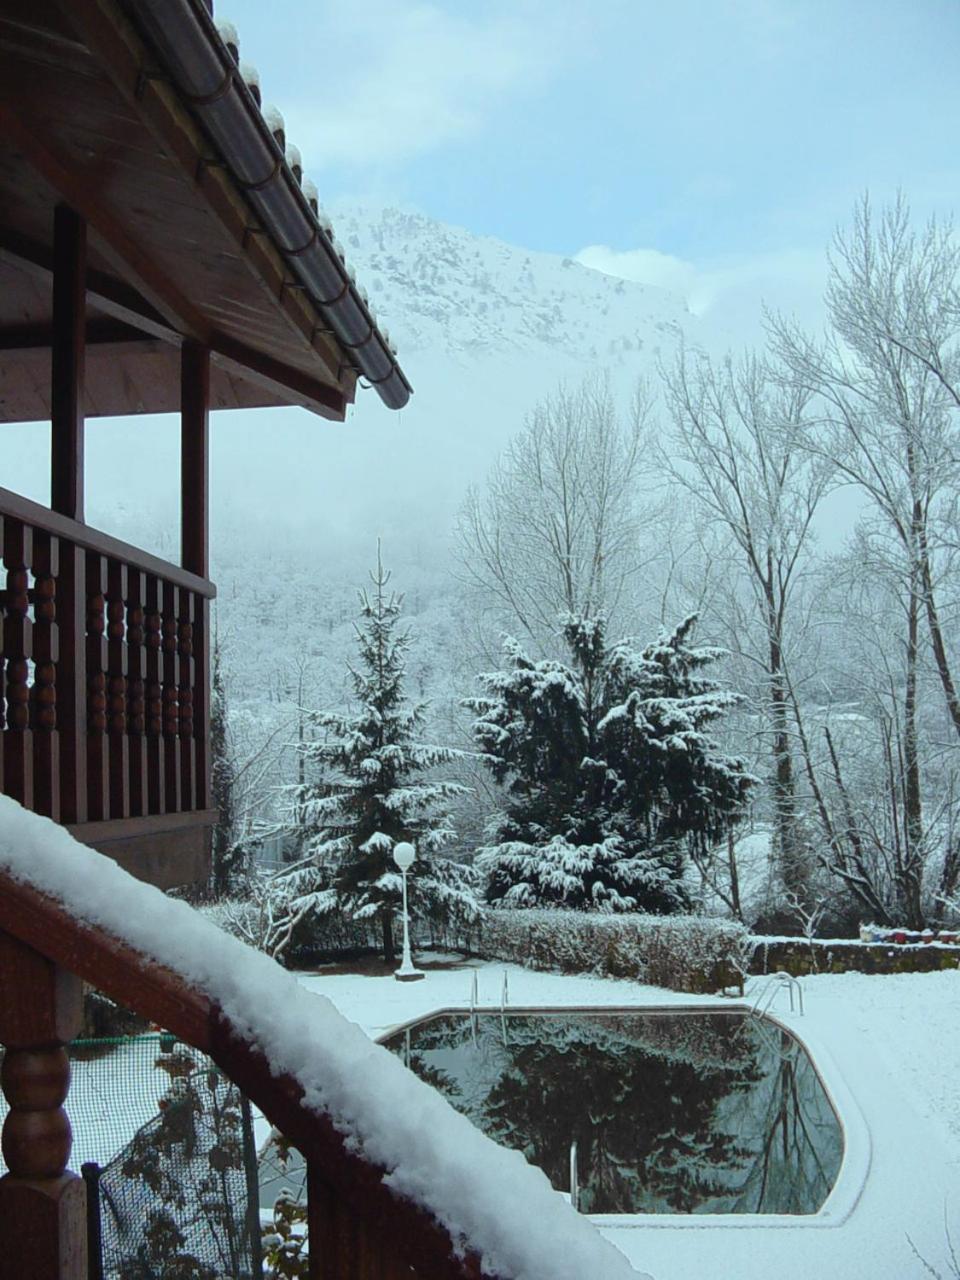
(42, 1205)
(194, 458)
(66, 496)
(69, 340)
(195, 549)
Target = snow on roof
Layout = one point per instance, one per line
(228, 32)
(487, 1197)
(249, 74)
(273, 118)
(275, 123)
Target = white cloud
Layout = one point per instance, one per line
(643, 266)
(408, 78)
(790, 280)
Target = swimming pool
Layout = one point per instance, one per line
(690, 1112)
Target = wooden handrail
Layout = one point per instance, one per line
(89, 539)
(364, 1228)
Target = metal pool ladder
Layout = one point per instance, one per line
(768, 993)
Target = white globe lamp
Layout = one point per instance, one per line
(404, 855)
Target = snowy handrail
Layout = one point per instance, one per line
(776, 982)
(396, 1178)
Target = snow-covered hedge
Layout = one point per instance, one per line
(332, 935)
(684, 953)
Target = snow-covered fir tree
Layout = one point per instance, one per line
(610, 771)
(368, 784)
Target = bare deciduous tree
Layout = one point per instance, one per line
(886, 382)
(736, 449)
(557, 528)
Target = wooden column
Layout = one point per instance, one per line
(66, 496)
(42, 1204)
(69, 330)
(195, 550)
(194, 458)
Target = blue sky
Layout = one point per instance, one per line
(685, 142)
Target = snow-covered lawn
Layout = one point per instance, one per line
(889, 1049)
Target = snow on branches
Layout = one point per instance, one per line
(610, 769)
(368, 785)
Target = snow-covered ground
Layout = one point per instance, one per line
(889, 1050)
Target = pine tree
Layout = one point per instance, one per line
(610, 771)
(368, 792)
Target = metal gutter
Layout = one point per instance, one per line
(184, 35)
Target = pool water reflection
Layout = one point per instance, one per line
(674, 1112)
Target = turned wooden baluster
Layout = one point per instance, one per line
(119, 744)
(137, 691)
(171, 696)
(42, 1205)
(201, 699)
(72, 682)
(188, 746)
(17, 649)
(46, 653)
(156, 791)
(98, 770)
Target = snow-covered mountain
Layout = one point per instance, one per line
(473, 298)
(485, 330)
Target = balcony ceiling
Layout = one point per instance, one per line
(174, 252)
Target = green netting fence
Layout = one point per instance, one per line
(166, 1144)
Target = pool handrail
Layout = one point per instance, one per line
(767, 994)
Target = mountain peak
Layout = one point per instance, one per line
(440, 286)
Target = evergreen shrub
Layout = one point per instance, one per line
(683, 953)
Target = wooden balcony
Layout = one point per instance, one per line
(359, 1228)
(106, 692)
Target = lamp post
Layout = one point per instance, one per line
(403, 856)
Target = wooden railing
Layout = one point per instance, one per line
(105, 674)
(358, 1228)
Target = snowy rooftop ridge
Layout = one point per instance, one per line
(489, 1199)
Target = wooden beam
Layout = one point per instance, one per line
(195, 458)
(117, 299)
(69, 333)
(28, 339)
(105, 292)
(280, 379)
(75, 189)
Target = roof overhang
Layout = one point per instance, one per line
(93, 114)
